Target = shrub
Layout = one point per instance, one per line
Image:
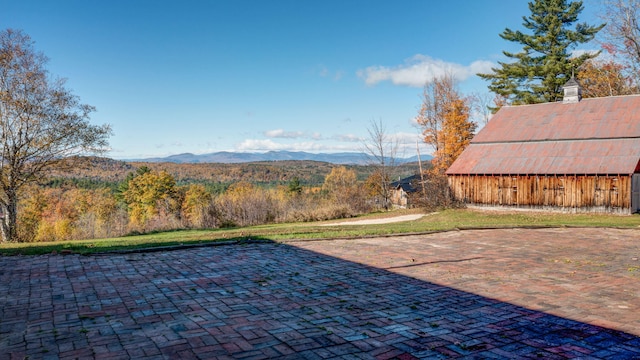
(437, 194)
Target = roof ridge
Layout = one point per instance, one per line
(556, 140)
(560, 101)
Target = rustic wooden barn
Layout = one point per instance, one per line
(579, 155)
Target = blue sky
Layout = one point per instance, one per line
(203, 76)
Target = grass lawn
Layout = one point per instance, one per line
(439, 221)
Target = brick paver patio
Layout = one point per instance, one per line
(515, 293)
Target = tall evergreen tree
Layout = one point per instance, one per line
(545, 63)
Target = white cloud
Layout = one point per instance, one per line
(336, 143)
(406, 138)
(173, 144)
(259, 145)
(348, 138)
(270, 145)
(324, 72)
(578, 52)
(407, 143)
(603, 56)
(420, 69)
(280, 133)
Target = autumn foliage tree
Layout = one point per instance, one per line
(454, 136)
(437, 96)
(41, 124)
(373, 186)
(195, 205)
(245, 204)
(444, 119)
(340, 183)
(48, 214)
(150, 195)
(345, 194)
(599, 78)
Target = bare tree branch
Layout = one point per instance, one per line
(622, 32)
(382, 149)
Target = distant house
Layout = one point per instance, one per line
(400, 191)
(578, 155)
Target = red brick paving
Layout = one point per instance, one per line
(549, 293)
(588, 275)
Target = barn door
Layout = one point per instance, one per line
(635, 193)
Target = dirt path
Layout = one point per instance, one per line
(394, 219)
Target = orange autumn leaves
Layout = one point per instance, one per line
(444, 119)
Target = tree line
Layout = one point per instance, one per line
(149, 200)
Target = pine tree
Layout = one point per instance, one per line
(545, 64)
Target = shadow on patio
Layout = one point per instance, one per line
(267, 301)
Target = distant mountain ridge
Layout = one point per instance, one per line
(225, 157)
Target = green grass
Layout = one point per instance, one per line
(440, 221)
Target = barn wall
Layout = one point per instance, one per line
(588, 193)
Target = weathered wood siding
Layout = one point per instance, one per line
(399, 198)
(588, 193)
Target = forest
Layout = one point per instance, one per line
(92, 171)
(100, 197)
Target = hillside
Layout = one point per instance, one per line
(311, 173)
(224, 157)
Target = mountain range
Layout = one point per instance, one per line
(224, 157)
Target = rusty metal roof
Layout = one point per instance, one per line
(593, 136)
(559, 157)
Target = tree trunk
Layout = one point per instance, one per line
(9, 219)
